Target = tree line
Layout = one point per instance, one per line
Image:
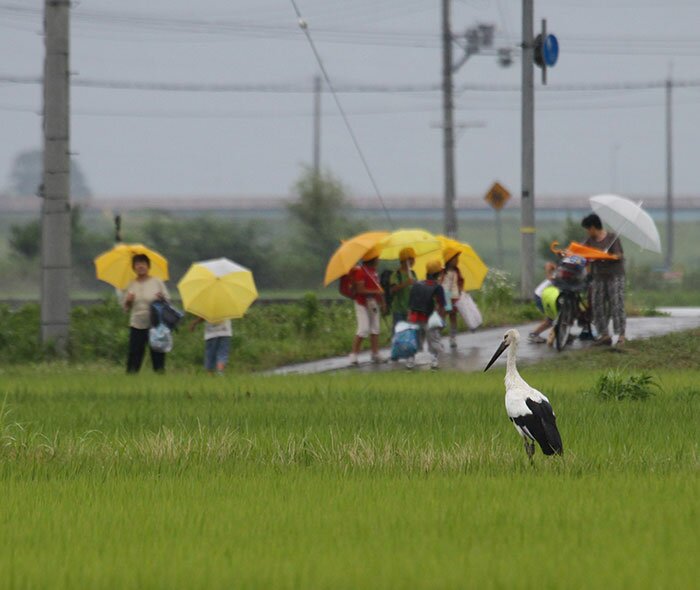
(317, 218)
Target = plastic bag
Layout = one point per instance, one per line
(404, 344)
(469, 311)
(160, 338)
(402, 326)
(435, 321)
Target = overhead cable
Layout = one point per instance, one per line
(305, 88)
(305, 28)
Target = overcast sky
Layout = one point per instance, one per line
(132, 142)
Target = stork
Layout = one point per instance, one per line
(528, 409)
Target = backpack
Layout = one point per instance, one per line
(346, 286)
(385, 283)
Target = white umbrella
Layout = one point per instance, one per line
(627, 218)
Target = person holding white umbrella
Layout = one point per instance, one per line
(608, 285)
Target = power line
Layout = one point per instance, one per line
(224, 28)
(465, 105)
(279, 88)
(305, 88)
(305, 28)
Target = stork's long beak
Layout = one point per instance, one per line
(498, 353)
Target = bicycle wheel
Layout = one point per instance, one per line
(565, 319)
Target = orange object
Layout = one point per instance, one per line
(574, 248)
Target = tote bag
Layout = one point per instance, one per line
(469, 311)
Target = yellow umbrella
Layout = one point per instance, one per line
(217, 290)
(422, 242)
(471, 266)
(114, 266)
(349, 252)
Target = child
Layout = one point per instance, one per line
(457, 299)
(426, 297)
(217, 341)
(546, 323)
(369, 302)
(401, 281)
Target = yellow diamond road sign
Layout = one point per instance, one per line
(497, 196)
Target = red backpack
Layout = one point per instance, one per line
(346, 286)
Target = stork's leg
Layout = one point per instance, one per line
(529, 448)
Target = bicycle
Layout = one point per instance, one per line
(572, 281)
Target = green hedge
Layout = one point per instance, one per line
(268, 336)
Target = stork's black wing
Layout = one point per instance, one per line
(545, 430)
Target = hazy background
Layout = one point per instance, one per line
(132, 142)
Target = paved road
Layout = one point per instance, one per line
(475, 349)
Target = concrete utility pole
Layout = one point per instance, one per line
(669, 173)
(55, 211)
(450, 215)
(527, 203)
(317, 125)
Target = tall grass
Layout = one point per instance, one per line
(343, 481)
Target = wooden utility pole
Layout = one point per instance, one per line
(450, 215)
(55, 211)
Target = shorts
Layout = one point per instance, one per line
(216, 351)
(367, 318)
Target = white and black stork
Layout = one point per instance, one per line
(528, 409)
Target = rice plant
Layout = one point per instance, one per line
(340, 481)
(616, 385)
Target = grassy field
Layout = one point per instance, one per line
(342, 481)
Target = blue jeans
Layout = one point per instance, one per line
(216, 352)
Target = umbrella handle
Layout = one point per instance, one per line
(619, 230)
(118, 228)
(554, 247)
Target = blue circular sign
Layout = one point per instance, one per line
(550, 50)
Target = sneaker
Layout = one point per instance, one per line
(435, 364)
(535, 338)
(620, 341)
(376, 359)
(353, 360)
(602, 341)
(453, 342)
(410, 364)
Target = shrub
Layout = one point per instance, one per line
(307, 318)
(615, 385)
(498, 289)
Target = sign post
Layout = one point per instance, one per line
(497, 196)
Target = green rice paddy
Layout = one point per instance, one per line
(341, 481)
